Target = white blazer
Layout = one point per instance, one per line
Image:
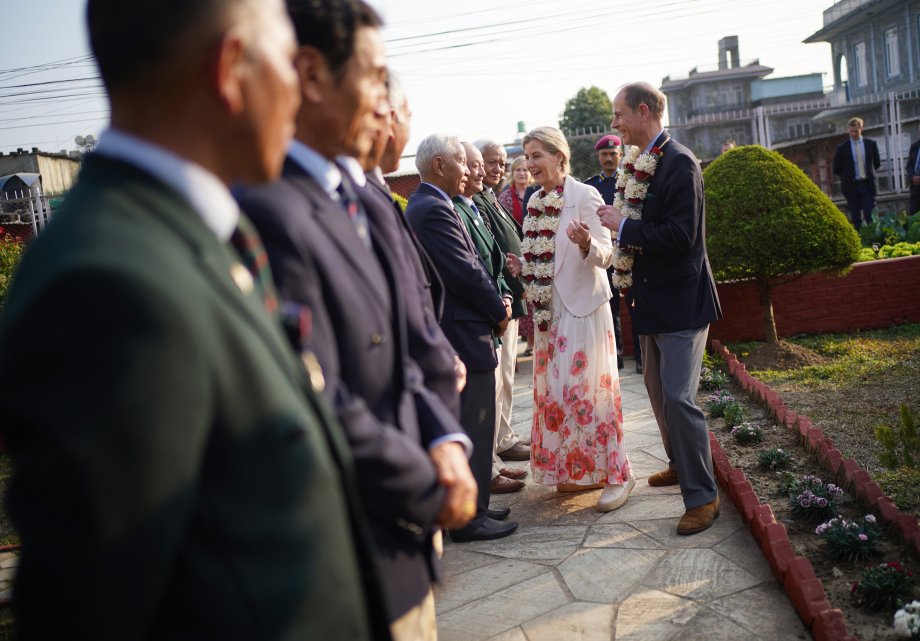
(582, 282)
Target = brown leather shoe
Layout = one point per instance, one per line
(663, 478)
(699, 518)
(512, 474)
(517, 452)
(502, 485)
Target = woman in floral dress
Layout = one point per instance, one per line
(577, 431)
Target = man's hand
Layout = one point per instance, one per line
(513, 263)
(610, 217)
(460, 373)
(502, 326)
(454, 474)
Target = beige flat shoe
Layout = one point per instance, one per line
(614, 496)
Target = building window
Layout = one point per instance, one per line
(892, 57)
(862, 77)
(799, 130)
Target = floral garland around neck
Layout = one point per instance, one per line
(539, 250)
(632, 187)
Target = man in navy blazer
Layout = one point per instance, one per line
(474, 310)
(856, 161)
(675, 297)
(340, 288)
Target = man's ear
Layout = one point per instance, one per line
(229, 70)
(438, 166)
(643, 110)
(313, 72)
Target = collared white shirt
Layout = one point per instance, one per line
(353, 168)
(320, 168)
(207, 194)
(855, 147)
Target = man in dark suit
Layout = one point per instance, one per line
(474, 311)
(176, 475)
(856, 160)
(913, 172)
(675, 297)
(508, 234)
(331, 258)
(481, 231)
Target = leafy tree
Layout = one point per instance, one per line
(768, 222)
(590, 108)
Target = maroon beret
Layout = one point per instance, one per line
(609, 142)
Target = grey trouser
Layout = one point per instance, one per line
(672, 377)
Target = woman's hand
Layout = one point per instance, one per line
(580, 234)
(513, 263)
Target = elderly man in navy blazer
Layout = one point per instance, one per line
(474, 310)
(675, 297)
(856, 160)
(340, 287)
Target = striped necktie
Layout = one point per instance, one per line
(245, 239)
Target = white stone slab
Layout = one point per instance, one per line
(651, 615)
(764, 610)
(471, 586)
(619, 535)
(604, 575)
(503, 611)
(647, 507)
(699, 574)
(548, 545)
(574, 622)
(457, 559)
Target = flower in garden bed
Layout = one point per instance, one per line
(907, 621)
(717, 402)
(747, 433)
(812, 498)
(850, 540)
(775, 458)
(883, 586)
(733, 413)
(712, 379)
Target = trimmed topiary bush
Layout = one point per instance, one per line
(768, 222)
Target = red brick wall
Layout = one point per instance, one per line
(405, 186)
(874, 294)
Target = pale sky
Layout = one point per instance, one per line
(473, 69)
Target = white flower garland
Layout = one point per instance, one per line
(632, 188)
(539, 252)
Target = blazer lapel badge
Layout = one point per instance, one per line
(242, 277)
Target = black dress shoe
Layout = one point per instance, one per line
(639, 368)
(483, 530)
(500, 514)
(620, 363)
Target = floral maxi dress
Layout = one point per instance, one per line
(577, 430)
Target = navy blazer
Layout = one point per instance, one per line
(673, 286)
(846, 169)
(428, 346)
(472, 303)
(319, 263)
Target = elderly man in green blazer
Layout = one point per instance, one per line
(176, 474)
(482, 232)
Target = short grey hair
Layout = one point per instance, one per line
(487, 144)
(433, 146)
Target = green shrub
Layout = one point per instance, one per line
(903, 486)
(10, 252)
(884, 586)
(733, 414)
(747, 433)
(402, 202)
(812, 498)
(850, 540)
(712, 379)
(775, 458)
(902, 445)
(717, 402)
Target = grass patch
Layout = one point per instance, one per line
(866, 377)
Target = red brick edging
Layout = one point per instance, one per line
(805, 590)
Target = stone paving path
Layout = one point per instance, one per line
(571, 573)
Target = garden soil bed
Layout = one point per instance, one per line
(837, 576)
